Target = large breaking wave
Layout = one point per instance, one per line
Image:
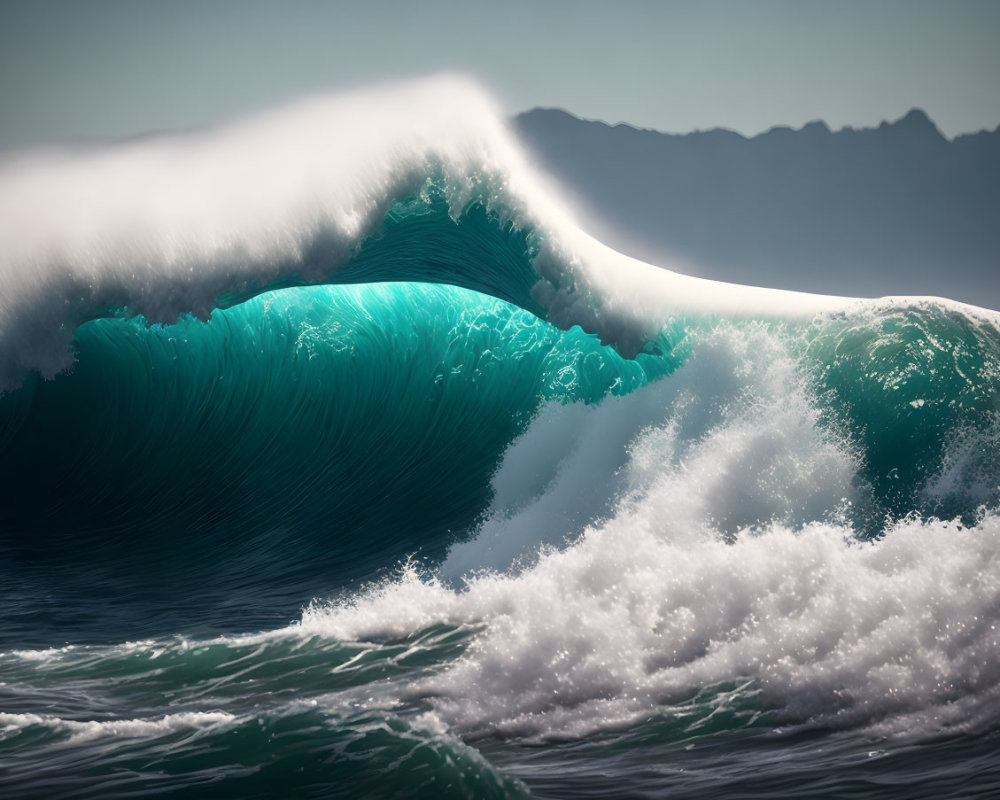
(356, 353)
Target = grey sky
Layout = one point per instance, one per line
(113, 68)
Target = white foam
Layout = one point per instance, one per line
(729, 438)
(970, 473)
(45, 654)
(88, 730)
(899, 636)
(722, 559)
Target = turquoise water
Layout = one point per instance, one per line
(400, 536)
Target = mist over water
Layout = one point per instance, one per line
(339, 462)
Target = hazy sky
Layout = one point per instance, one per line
(117, 67)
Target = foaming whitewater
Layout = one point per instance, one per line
(338, 461)
(719, 552)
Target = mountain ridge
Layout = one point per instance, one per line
(893, 209)
(915, 116)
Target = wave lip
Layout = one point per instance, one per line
(164, 226)
(170, 225)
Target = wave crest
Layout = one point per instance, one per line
(182, 224)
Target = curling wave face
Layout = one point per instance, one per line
(354, 356)
(185, 224)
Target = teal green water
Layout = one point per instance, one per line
(311, 434)
(172, 503)
(907, 383)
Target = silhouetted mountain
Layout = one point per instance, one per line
(897, 209)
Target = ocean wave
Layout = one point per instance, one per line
(356, 352)
(183, 224)
(293, 407)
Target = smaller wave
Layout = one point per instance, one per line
(917, 388)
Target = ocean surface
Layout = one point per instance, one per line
(338, 462)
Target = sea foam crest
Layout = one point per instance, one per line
(164, 225)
